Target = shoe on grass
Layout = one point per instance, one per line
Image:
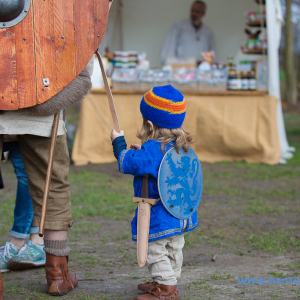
(30, 256)
(6, 253)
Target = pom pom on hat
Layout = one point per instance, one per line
(164, 106)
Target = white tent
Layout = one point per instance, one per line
(142, 25)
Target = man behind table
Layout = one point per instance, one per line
(189, 38)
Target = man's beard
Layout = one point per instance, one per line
(197, 22)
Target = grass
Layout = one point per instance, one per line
(292, 124)
(94, 194)
(217, 276)
(277, 242)
(7, 210)
(259, 207)
(278, 274)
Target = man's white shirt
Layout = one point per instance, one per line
(184, 40)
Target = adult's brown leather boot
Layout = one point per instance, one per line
(147, 287)
(1, 286)
(59, 279)
(160, 292)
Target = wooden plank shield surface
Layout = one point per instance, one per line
(43, 53)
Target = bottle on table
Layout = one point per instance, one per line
(232, 79)
(238, 81)
(229, 62)
(245, 81)
(252, 81)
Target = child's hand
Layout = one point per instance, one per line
(115, 134)
(135, 147)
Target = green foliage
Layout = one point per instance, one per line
(282, 75)
(217, 276)
(279, 242)
(278, 274)
(258, 207)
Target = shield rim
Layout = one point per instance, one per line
(158, 185)
(19, 18)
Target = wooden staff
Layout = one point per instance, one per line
(109, 95)
(49, 173)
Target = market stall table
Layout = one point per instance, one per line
(231, 126)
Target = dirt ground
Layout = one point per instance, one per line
(248, 221)
(103, 255)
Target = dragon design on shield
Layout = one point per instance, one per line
(183, 179)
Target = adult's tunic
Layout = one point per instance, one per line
(18, 123)
(184, 40)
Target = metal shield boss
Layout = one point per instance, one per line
(44, 45)
(180, 182)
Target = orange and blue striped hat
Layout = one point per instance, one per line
(164, 106)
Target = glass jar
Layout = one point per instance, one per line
(231, 83)
(252, 81)
(245, 81)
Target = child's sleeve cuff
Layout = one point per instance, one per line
(119, 144)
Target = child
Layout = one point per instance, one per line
(163, 110)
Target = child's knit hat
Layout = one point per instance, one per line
(164, 106)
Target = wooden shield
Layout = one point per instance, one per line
(43, 53)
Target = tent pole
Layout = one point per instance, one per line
(273, 31)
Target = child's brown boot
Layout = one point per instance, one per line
(1, 286)
(160, 292)
(147, 287)
(59, 279)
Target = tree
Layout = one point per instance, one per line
(291, 81)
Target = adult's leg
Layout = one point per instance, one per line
(23, 212)
(9, 250)
(32, 254)
(35, 151)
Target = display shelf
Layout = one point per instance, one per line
(254, 51)
(256, 24)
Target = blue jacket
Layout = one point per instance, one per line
(147, 161)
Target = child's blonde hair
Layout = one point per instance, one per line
(180, 136)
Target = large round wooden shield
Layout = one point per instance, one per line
(49, 46)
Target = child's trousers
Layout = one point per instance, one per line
(165, 259)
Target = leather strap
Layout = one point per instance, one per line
(145, 200)
(145, 187)
(145, 192)
(109, 95)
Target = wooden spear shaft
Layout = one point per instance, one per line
(109, 95)
(49, 173)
